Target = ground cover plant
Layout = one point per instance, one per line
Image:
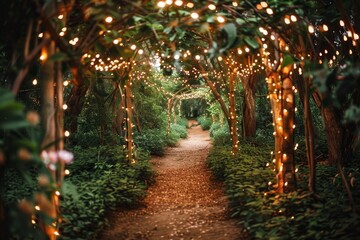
(297, 215)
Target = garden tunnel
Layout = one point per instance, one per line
(115, 51)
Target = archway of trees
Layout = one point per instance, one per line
(60, 57)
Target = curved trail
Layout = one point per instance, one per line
(184, 203)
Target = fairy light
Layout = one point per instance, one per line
(56, 233)
(66, 83)
(57, 193)
(264, 4)
(311, 29)
(141, 51)
(190, 5)
(67, 171)
(197, 57)
(220, 19)
(293, 18)
(194, 15)
(342, 24)
(35, 82)
(168, 2)
(133, 47)
(287, 20)
(65, 106)
(235, 4)
(66, 133)
(37, 208)
(179, 3)
(161, 4)
(60, 16)
(108, 19)
(325, 28)
(269, 11)
(212, 7)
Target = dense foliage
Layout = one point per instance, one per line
(267, 215)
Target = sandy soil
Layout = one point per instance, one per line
(185, 203)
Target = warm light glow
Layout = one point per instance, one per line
(65, 106)
(264, 4)
(56, 233)
(194, 15)
(108, 19)
(235, 4)
(190, 5)
(41, 35)
(35, 82)
(141, 51)
(178, 3)
(325, 28)
(197, 57)
(212, 7)
(116, 41)
(311, 29)
(133, 47)
(67, 172)
(37, 208)
(287, 20)
(66, 133)
(61, 16)
(168, 2)
(342, 23)
(66, 83)
(269, 11)
(161, 4)
(220, 19)
(293, 18)
(57, 193)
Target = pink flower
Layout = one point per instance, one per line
(53, 156)
(66, 156)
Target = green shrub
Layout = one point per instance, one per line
(221, 136)
(182, 121)
(100, 179)
(205, 122)
(180, 129)
(297, 215)
(214, 127)
(151, 140)
(172, 138)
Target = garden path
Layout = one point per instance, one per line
(184, 203)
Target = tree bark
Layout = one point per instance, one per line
(232, 115)
(249, 116)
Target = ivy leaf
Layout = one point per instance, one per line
(288, 60)
(251, 42)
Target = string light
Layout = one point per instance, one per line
(66, 133)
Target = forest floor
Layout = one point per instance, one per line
(184, 203)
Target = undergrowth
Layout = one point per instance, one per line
(296, 215)
(100, 180)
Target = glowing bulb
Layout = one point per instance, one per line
(35, 82)
(293, 18)
(264, 4)
(342, 23)
(66, 133)
(212, 7)
(194, 15)
(161, 4)
(311, 29)
(197, 57)
(133, 47)
(108, 19)
(37, 208)
(287, 20)
(56, 233)
(325, 28)
(235, 4)
(220, 19)
(67, 172)
(269, 11)
(141, 51)
(168, 2)
(66, 83)
(61, 16)
(190, 5)
(57, 193)
(65, 107)
(178, 3)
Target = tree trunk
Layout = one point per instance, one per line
(249, 116)
(76, 100)
(47, 74)
(129, 115)
(232, 115)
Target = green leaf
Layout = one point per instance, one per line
(288, 60)
(251, 42)
(240, 21)
(59, 57)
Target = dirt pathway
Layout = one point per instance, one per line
(184, 203)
